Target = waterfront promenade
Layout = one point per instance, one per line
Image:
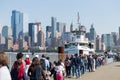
(106, 72)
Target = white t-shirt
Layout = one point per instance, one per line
(59, 69)
(4, 73)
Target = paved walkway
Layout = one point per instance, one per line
(107, 72)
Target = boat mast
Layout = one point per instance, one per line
(78, 21)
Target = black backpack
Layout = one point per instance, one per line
(14, 73)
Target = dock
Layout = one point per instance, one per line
(106, 72)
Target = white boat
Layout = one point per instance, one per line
(79, 43)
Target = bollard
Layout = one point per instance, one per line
(61, 55)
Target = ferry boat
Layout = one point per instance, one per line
(79, 43)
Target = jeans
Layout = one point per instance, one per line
(83, 69)
(77, 69)
(72, 70)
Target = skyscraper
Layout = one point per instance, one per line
(54, 26)
(115, 38)
(107, 39)
(98, 43)
(48, 35)
(17, 25)
(34, 28)
(6, 32)
(119, 33)
(48, 32)
(41, 39)
(33, 33)
(71, 27)
(61, 27)
(92, 33)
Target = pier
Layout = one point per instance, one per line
(106, 72)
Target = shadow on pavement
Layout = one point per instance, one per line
(117, 65)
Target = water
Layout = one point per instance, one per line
(12, 56)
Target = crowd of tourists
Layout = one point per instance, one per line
(42, 69)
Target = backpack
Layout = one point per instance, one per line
(67, 63)
(14, 73)
(42, 63)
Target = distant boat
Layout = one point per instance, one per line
(79, 44)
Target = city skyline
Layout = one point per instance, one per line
(103, 14)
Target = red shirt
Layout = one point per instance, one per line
(27, 61)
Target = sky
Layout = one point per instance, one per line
(104, 14)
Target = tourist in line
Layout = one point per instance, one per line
(44, 64)
(77, 65)
(35, 71)
(4, 71)
(82, 66)
(86, 62)
(94, 62)
(90, 63)
(68, 66)
(53, 72)
(59, 71)
(18, 68)
(27, 63)
(72, 58)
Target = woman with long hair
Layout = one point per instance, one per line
(35, 71)
(3, 67)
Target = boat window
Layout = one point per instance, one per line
(70, 44)
(67, 45)
(78, 36)
(83, 44)
(91, 45)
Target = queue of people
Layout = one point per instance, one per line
(42, 69)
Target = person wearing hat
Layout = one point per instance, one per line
(27, 62)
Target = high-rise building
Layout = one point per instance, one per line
(9, 43)
(48, 35)
(98, 43)
(38, 24)
(61, 27)
(71, 27)
(48, 32)
(34, 28)
(92, 34)
(64, 27)
(33, 33)
(115, 38)
(41, 39)
(119, 33)
(54, 26)
(6, 31)
(107, 39)
(17, 25)
(2, 40)
(2, 43)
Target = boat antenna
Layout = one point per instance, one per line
(78, 20)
